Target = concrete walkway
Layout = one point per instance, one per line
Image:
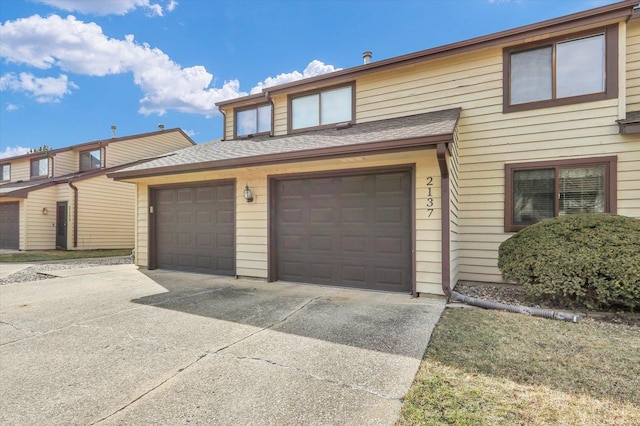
(113, 345)
(12, 268)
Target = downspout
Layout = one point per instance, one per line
(534, 312)
(224, 123)
(75, 212)
(445, 221)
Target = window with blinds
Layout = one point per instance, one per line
(557, 188)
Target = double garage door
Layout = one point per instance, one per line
(350, 230)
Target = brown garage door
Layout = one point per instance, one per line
(195, 228)
(9, 226)
(352, 231)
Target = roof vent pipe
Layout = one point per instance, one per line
(160, 126)
(113, 131)
(366, 57)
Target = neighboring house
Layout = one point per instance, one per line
(407, 173)
(62, 198)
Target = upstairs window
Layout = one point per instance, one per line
(254, 120)
(40, 168)
(90, 159)
(538, 191)
(6, 172)
(321, 108)
(569, 70)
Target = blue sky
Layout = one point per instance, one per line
(69, 69)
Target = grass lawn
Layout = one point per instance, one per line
(487, 367)
(39, 255)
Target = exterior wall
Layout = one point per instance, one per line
(488, 139)
(20, 170)
(65, 162)
(130, 150)
(40, 229)
(105, 214)
(633, 65)
(280, 115)
(252, 218)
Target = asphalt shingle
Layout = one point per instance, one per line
(394, 129)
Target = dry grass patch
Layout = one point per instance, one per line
(489, 367)
(45, 255)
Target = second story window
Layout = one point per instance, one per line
(253, 120)
(6, 172)
(40, 167)
(570, 70)
(90, 159)
(321, 108)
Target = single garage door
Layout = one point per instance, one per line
(352, 231)
(9, 226)
(195, 228)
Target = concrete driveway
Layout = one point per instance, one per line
(114, 345)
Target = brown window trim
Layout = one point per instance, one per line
(290, 98)
(610, 164)
(31, 176)
(247, 108)
(99, 149)
(1, 172)
(611, 71)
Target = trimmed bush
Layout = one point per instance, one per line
(592, 260)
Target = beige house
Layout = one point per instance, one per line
(406, 174)
(63, 199)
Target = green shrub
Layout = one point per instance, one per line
(592, 260)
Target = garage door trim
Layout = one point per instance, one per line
(152, 259)
(272, 181)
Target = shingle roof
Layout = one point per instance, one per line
(395, 133)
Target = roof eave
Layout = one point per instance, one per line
(378, 147)
(100, 142)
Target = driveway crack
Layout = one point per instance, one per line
(138, 398)
(285, 319)
(320, 378)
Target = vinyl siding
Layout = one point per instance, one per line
(20, 170)
(40, 234)
(65, 162)
(105, 214)
(252, 218)
(149, 146)
(633, 65)
(488, 138)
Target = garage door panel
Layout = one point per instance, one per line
(195, 229)
(350, 231)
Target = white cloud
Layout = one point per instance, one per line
(13, 151)
(82, 48)
(108, 7)
(172, 5)
(314, 68)
(47, 89)
(13, 107)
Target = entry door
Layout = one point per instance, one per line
(61, 225)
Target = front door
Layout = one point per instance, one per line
(61, 225)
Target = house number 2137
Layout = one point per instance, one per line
(430, 204)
